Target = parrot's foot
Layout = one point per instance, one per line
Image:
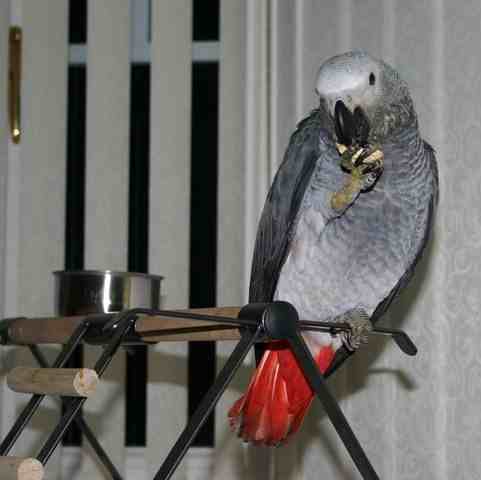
(364, 163)
(360, 325)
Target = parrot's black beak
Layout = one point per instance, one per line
(351, 128)
(344, 123)
(361, 127)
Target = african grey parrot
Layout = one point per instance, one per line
(345, 222)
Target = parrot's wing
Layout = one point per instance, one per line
(420, 241)
(276, 226)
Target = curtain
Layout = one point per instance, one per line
(416, 417)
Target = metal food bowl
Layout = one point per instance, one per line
(82, 292)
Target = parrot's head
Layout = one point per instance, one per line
(365, 98)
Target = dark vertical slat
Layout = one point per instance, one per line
(75, 194)
(75, 207)
(75, 197)
(203, 244)
(78, 21)
(139, 168)
(136, 374)
(206, 20)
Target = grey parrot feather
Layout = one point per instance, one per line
(276, 226)
(405, 279)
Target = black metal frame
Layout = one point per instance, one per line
(256, 322)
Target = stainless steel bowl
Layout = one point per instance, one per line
(80, 292)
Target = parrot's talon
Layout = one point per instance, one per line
(368, 156)
(341, 148)
(375, 156)
(369, 169)
(360, 327)
(358, 156)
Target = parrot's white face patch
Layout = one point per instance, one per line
(354, 78)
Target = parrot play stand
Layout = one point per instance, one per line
(252, 324)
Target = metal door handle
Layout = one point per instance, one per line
(14, 82)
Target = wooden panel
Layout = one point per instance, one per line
(106, 204)
(8, 216)
(36, 191)
(6, 400)
(169, 215)
(42, 162)
(4, 141)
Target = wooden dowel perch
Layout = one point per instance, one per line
(31, 331)
(160, 328)
(16, 468)
(35, 331)
(69, 382)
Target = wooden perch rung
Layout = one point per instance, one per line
(160, 328)
(17, 468)
(151, 328)
(68, 382)
(34, 331)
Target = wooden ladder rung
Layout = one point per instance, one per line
(68, 382)
(167, 329)
(17, 468)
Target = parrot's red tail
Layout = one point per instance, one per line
(278, 397)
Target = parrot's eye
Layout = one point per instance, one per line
(372, 79)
